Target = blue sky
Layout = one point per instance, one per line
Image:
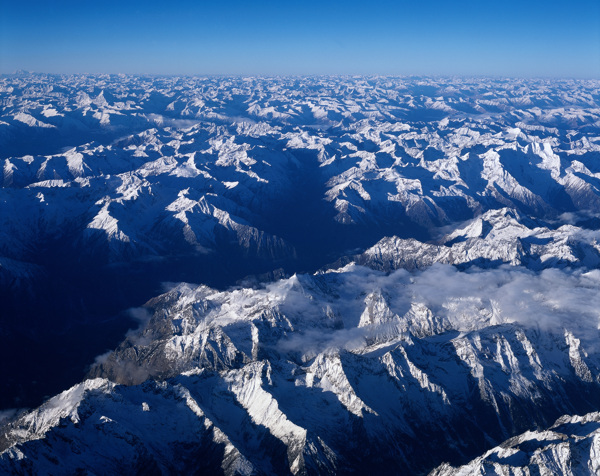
(462, 37)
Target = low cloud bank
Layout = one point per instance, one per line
(550, 300)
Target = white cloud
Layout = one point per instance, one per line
(465, 300)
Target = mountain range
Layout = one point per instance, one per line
(319, 275)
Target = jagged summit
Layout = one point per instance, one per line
(494, 238)
(569, 447)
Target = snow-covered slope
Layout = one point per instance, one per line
(494, 238)
(570, 447)
(116, 430)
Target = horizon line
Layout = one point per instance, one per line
(22, 72)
